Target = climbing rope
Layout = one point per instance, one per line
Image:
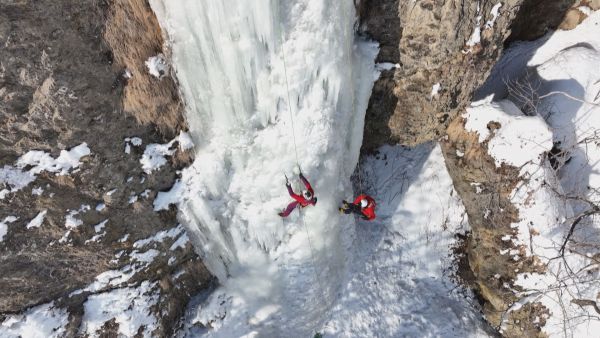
(353, 96)
(289, 101)
(312, 254)
(353, 101)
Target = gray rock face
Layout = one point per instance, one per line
(430, 40)
(379, 20)
(73, 73)
(432, 50)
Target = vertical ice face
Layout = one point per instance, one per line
(229, 56)
(222, 51)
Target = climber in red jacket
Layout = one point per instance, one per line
(364, 205)
(306, 198)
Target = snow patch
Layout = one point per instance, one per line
(386, 66)
(113, 278)
(475, 37)
(95, 238)
(154, 154)
(494, 13)
(139, 259)
(435, 90)
(185, 141)
(180, 242)
(98, 227)
(160, 236)
(132, 199)
(37, 221)
(213, 311)
(42, 161)
(132, 141)
(15, 179)
(131, 309)
(71, 222)
(585, 10)
(146, 256)
(44, 321)
(136, 141)
(173, 196)
(157, 66)
(517, 137)
(64, 238)
(145, 193)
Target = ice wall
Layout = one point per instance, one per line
(281, 274)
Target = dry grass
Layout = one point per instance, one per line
(133, 33)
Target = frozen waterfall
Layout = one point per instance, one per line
(280, 276)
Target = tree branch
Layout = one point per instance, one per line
(579, 218)
(569, 96)
(586, 302)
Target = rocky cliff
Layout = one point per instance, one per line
(74, 76)
(444, 50)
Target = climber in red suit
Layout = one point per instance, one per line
(306, 198)
(364, 205)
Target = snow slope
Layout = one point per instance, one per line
(40, 321)
(400, 280)
(558, 79)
